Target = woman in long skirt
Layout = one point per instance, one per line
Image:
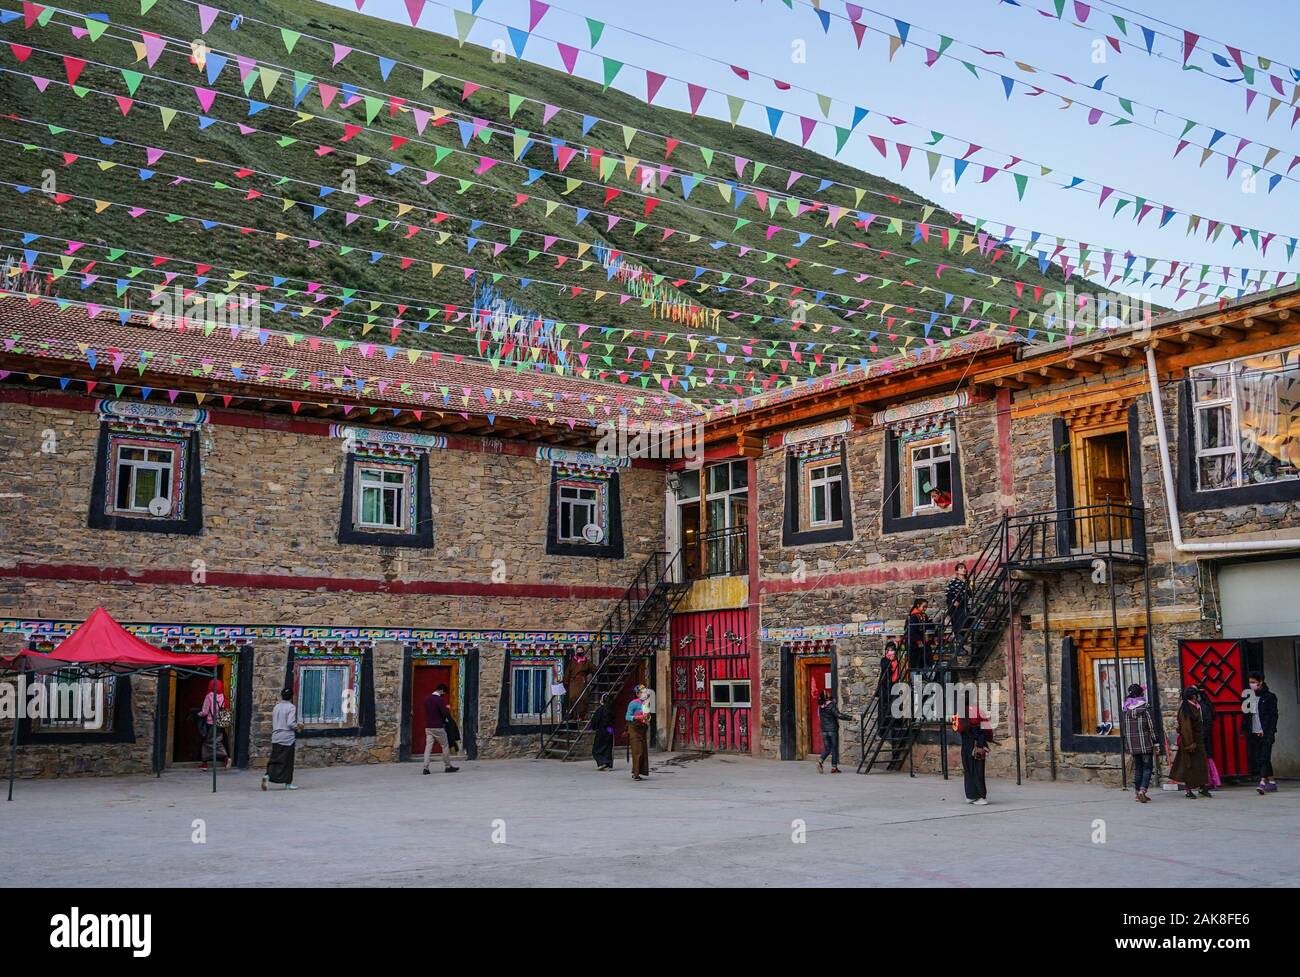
(976, 737)
(602, 724)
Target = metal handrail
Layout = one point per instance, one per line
(732, 545)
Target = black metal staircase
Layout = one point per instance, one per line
(632, 631)
(994, 590)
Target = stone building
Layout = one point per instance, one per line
(1043, 470)
(345, 521)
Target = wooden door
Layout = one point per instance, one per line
(424, 679)
(819, 678)
(1106, 476)
(1219, 667)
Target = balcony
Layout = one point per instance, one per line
(721, 553)
(1074, 538)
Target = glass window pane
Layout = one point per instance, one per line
(739, 474)
(1218, 471)
(690, 487)
(130, 454)
(309, 695)
(370, 506)
(333, 709)
(1269, 418)
(819, 503)
(718, 480)
(123, 486)
(1215, 424)
(740, 693)
(519, 691)
(943, 476)
(837, 501)
(146, 487)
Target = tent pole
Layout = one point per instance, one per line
(13, 756)
(214, 728)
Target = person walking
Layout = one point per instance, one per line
(1189, 766)
(436, 714)
(1207, 734)
(957, 597)
(577, 675)
(602, 725)
(976, 737)
(284, 730)
(1260, 727)
(1140, 733)
(215, 712)
(830, 717)
(918, 636)
(890, 669)
(638, 727)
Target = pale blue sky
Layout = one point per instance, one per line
(761, 35)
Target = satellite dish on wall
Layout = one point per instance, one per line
(592, 533)
(160, 507)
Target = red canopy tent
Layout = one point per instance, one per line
(101, 646)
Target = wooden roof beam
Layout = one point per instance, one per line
(1089, 365)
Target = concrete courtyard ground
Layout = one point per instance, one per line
(719, 820)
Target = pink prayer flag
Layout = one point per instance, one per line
(152, 155)
(153, 46)
(341, 51)
(413, 10)
(653, 82)
(421, 119)
(569, 55)
(469, 89)
(327, 93)
(548, 113)
(696, 93)
(205, 97)
(206, 16)
(536, 11)
(807, 126)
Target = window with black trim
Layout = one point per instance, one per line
(386, 500)
(146, 481)
(818, 507)
(585, 514)
(729, 694)
(922, 479)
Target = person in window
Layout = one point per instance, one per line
(602, 724)
(830, 717)
(957, 597)
(284, 730)
(918, 635)
(638, 726)
(1260, 726)
(976, 731)
(577, 674)
(1140, 733)
(214, 703)
(938, 497)
(1189, 767)
(436, 714)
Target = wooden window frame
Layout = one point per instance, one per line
(364, 484)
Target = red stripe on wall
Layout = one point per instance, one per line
(267, 581)
(865, 578)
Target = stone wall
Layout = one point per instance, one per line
(271, 508)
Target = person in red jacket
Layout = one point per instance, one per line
(436, 714)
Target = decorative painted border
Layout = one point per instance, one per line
(817, 631)
(386, 440)
(581, 461)
(136, 414)
(921, 408)
(208, 634)
(827, 430)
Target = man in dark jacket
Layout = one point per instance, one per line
(829, 717)
(436, 716)
(1259, 723)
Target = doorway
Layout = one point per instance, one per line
(1102, 475)
(424, 679)
(812, 676)
(186, 695)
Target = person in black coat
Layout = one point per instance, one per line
(918, 636)
(1259, 724)
(830, 717)
(602, 724)
(890, 674)
(976, 738)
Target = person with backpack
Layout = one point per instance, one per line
(436, 715)
(215, 712)
(1143, 741)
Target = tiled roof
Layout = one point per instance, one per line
(312, 369)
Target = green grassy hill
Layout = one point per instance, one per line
(262, 256)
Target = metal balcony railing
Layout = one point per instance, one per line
(721, 553)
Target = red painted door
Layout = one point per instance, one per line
(620, 706)
(1219, 667)
(424, 679)
(819, 677)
